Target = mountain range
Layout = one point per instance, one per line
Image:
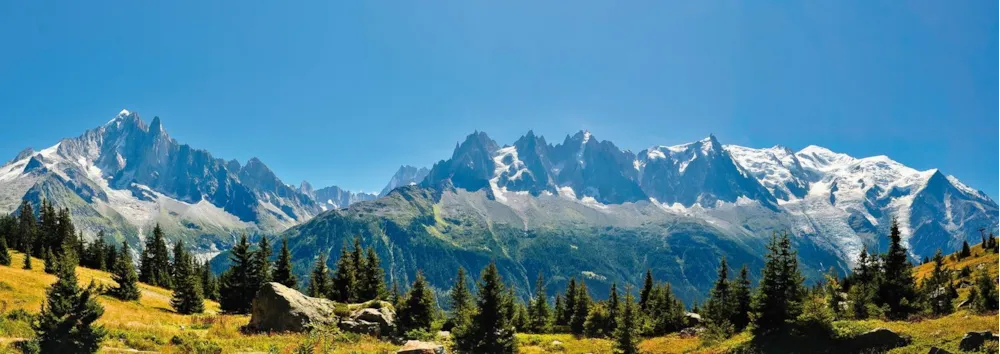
(581, 208)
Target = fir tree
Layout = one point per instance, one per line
(126, 278)
(569, 303)
(262, 257)
(27, 259)
(237, 286)
(519, 313)
(395, 296)
(597, 322)
(372, 282)
(614, 309)
(558, 308)
(647, 288)
(540, 315)
(47, 236)
(419, 307)
(832, 293)
(66, 235)
(283, 272)
(26, 228)
(779, 296)
(154, 263)
(986, 299)
(95, 255)
(626, 334)
(187, 297)
(665, 311)
(4, 252)
(718, 308)
(460, 301)
(742, 300)
(936, 287)
(580, 309)
(345, 277)
(66, 323)
(319, 279)
(896, 287)
(50, 261)
(966, 251)
(209, 284)
(490, 330)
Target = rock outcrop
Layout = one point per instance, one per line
(278, 308)
(876, 340)
(418, 347)
(975, 340)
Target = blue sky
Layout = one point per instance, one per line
(345, 92)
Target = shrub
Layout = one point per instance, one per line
(191, 343)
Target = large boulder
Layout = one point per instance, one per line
(975, 340)
(876, 340)
(278, 308)
(418, 347)
(376, 321)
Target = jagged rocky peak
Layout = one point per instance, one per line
(404, 176)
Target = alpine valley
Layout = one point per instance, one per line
(579, 208)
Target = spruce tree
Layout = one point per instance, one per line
(345, 277)
(50, 261)
(154, 264)
(614, 309)
(742, 300)
(460, 301)
(986, 299)
(647, 288)
(558, 308)
(209, 284)
(539, 314)
(519, 312)
(718, 308)
(26, 228)
(896, 287)
(262, 257)
(283, 272)
(237, 286)
(47, 236)
(27, 259)
(832, 293)
(779, 296)
(319, 279)
(580, 309)
(124, 274)
(187, 297)
(626, 334)
(490, 330)
(597, 321)
(66, 235)
(4, 252)
(935, 288)
(372, 282)
(66, 323)
(966, 251)
(569, 303)
(418, 309)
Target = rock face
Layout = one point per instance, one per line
(418, 347)
(371, 321)
(974, 340)
(279, 308)
(878, 339)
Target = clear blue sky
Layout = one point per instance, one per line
(343, 92)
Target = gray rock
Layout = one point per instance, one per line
(372, 321)
(418, 347)
(879, 339)
(361, 327)
(279, 308)
(975, 340)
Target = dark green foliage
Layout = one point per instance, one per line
(626, 335)
(50, 261)
(345, 279)
(47, 236)
(209, 284)
(831, 292)
(519, 313)
(614, 309)
(418, 309)
(4, 252)
(371, 282)
(719, 307)
(569, 303)
(664, 310)
(395, 296)
(598, 321)
(647, 289)
(26, 228)
(319, 280)
(460, 302)
(124, 274)
(27, 260)
(861, 294)
(238, 284)
(154, 262)
(283, 271)
(187, 297)
(581, 309)
(558, 308)
(491, 330)
(966, 251)
(779, 296)
(742, 300)
(66, 323)
(936, 289)
(95, 256)
(262, 259)
(896, 286)
(985, 299)
(539, 313)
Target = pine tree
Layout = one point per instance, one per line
(154, 263)
(26, 228)
(779, 296)
(986, 299)
(647, 288)
(558, 308)
(719, 307)
(540, 315)
(27, 259)
(283, 272)
(490, 330)
(569, 303)
(832, 293)
(742, 300)
(419, 307)
(627, 332)
(66, 323)
(50, 261)
(124, 274)
(47, 235)
(519, 312)
(319, 279)
(460, 301)
(614, 309)
(935, 288)
(209, 284)
(262, 259)
(66, 235)
(94, 257)
(580, 309)
(345, 277)
(187, 297)
(395, 296)
(237, 286)
(4, 252)
(966, 251)
(597, 321)
(896, 287)
(372, 282)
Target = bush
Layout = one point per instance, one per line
(420, 334)
(191, 343)
(816, 319)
